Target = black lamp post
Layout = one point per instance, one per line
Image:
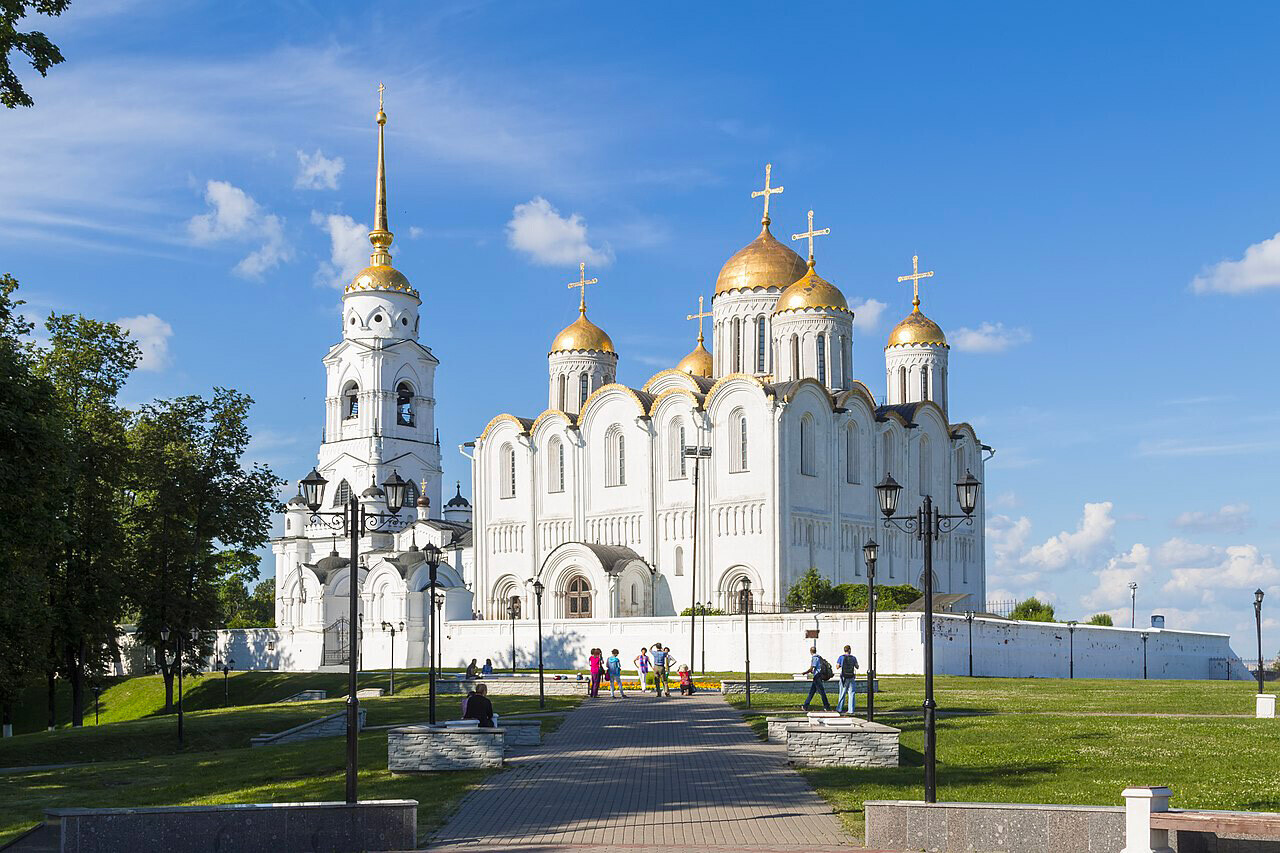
(745, 597)
(439, 600)
(1071, 648)
(705, 608)
(388, 626)
(354, 520)
(226, 668)
(431, 556)
(1144, 636)
(1133, 603)
(870, 550)
(513, 610)
(968, 617)
(928, 524)
(97, 691)
(177, 661)
(653, 590)
(1257, 616)
(697, 454)
(538, 589)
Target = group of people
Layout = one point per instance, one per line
(846, 667)
(474, 671)
(656, 660)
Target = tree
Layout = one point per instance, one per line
(1101, 619)
(87, 363)
(31, 488)
(195, 512)
(241, 608)
(1032, 610)
(892, 597)
(43, 53)
(812, 590)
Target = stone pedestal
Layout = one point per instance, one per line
(1266, 706)
(421, 748)
(1139, 803)
(849, 743)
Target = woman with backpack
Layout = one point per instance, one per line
(821, 671)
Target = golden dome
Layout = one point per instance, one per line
(916, 328)
(381, 277)
(764, 262)
(582, 334)
(696, 363)
(811, 291)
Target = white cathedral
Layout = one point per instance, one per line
(763, 451)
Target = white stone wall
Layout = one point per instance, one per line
(860, 745)
(423, 748)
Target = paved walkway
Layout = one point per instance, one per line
(647, 774)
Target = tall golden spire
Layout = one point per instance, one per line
(380, 237)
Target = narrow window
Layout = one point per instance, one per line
(559, 467)
(555, 466)
(342, 494)
(846, 359)
(807, 465)
(851, 460)
(940, 387)
(404, 404)
(622, 460)
(507, 464)
(760, 345)
(351, 401)
(926, 466)
(563, 402)
(795, 357)
(615, 456)
(679, 561)
(902, 385)
(924, 382)
(737, 345)
(411, 495)
(822, 359)
(742, 446)
(582, 390)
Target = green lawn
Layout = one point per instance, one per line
(1009, 753)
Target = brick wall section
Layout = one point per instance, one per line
(414, 749)
(862, 745)
(522, 733)
(520, 686)
(330, 726)
(739, 688)
(908, 825)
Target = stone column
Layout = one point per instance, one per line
(1139, 803)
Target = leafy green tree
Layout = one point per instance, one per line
(43, 53)
(888, 597)
(709, 611)
(1101, 619)
(31, 489)
(195, 511)
(812, 590)
(241, 608)
(1032, 610)
(87, 363)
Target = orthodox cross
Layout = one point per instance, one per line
(700, 315)
(381, 89)
(810, 234)
(914, 278)
(581, 284)
(767, 191)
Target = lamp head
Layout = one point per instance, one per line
(396, 488)
(313, 490)
(164, 634)
(538, 588)
(1257, 597)
(887, 492)
(870, 550)
(967, 492)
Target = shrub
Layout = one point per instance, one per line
(1101, 619)
(1033, 610)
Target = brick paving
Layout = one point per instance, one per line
(646, 774)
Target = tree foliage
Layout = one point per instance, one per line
(42, 53)
(1101, 619)
(1032, 610)
(888, 597)
(812, 590)
(815, 591)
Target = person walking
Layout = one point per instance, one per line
(660, 661)
(613, 669)
(642, 668)
(597, 669)
(847, 665)
(816, 667)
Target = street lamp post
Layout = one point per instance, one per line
(1133, 603)
(388, 626)
(354, 520)
(439, 632)
(431, 556)
(177, 660)
(746, 632)
(512, 612)
(928, 524)
(705, 608)
(1071, 645)
(869, 552)
(968, 617)
(697, 454)
(653, 590)
(1144, 636)
(1257, 616)
(226, 668)
(538, 589)
(97, 691)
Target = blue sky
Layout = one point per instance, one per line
(1091, 183)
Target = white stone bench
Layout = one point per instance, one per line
(423, 748)
(852, 743)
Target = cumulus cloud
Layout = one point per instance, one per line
(1236, 567)
(348, 248)
(866, 314)
(318, 172)
(235, 217)
(1092, 535)
(988, 338)
(1113, 579)
(539, 231)
(1258, 269)
(152, 335)
(1231, 518)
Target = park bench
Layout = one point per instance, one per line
(1149, 820)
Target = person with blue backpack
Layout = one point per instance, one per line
(821, 671)
(848, 666)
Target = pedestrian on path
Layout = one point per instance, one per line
(642, 668)
(816, 667)
(848, 666)
(613, 668)
(597, 669)
(660, 660)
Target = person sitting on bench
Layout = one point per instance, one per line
(478, 707)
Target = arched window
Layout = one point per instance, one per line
(822, 359)
(808, 464)
(411, 494)
(507, 471)
(926, 466)
(564, 400)
(852, 461)
(513, 607)
(679, 561)
(351, 401)
(902, 384)
(924, 382)
(961, 467)
(738, 441)
(583, 387)
(760, 344)
(940, 387)
(578, 598)
(886, 452)
(404, 404)
(635, 594)
(743, 600)
(846, 362)
(795, 357)
(342, 494)
(737, 345)
(555, 465)
(677, 469)
(615, 454)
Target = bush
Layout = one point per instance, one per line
(813, 590)
(708, 611)
(894, 597)
(1033, 610)
(1101, 619)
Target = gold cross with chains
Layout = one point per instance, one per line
(582, 283)
(810, 234)
(381, 89)
(699, 317)
(767, 191)
(914, 278)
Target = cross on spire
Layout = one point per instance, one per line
(914, 278)
(810, 234)
(767, 191)
(381, 89)
(699, 317)
(581, 284)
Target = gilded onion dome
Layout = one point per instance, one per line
(582, 334)
(696, 363)
(811, 291)
(916, 328)
(764, 262)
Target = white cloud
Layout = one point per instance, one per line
(1236, 567)
(415, 232)
(539, 231)
(235, 217)
(1067, 548)
(988, 338)
(349, 248)
(1182, 447)
(866, 314)
(1112, 588)
(318, 172)
(1258, 269)
(152, 335)
(1231, 518)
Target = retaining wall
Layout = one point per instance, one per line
(412, 749)
(994, 827)
(855, 743)
(330, 726)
